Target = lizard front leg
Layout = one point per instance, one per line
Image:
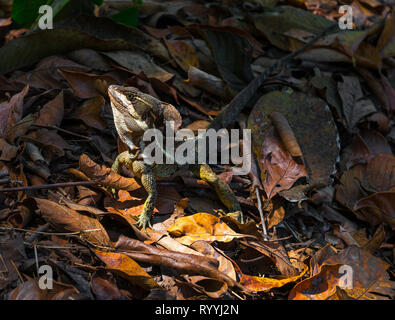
(147, 177)
(123, 159)
(222, 189)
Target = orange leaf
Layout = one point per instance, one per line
(201, 226)
(127, 268)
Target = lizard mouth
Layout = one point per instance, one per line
(113, 92)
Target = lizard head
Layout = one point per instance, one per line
(138, 110)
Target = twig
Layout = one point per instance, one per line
(41, 232)
(50, 186)
(73, 183)
(264, 231)
(36, 257)
(62, 130)
(17, 271)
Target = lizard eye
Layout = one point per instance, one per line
(130, 96)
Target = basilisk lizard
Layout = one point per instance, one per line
(134, 113)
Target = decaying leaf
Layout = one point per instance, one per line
(68, 220)
(106, 176)
(361, 275)
(312, 125)
(355, 105)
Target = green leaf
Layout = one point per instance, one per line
(25, 12)
(128, 17)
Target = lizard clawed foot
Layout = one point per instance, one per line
(143, 221)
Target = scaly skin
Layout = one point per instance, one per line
(125, 114)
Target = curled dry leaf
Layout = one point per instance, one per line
(86, 85)
(208, 82)
(373, 243)
(7, 151)
(285, 131)
(90, 113)
(386, 42)
(50, 140)
(11, 111)
(129, 205)
(138, 61)
(30, 290)
(367, 274)
(68, 220)
(52, 112)
(202, 226)
(282, 171)
(377, 177)
(106, 176)
(104, 286)
(127, 268)
(225, 265)
(213, 288)
(313, 126)
(181, 262)
(12, 251)
(258, 284)
(355, 106)
(183, 53)
(376, 208)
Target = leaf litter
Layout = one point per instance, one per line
(322, 142)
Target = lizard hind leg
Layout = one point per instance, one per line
(222, 189)
(144, 172)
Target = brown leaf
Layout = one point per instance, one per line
(390, 92)
(104, 286)
(311, 122)
(377, 176)
(376, 208)
(285, 132)
(30, 290)
(282, 170)
(49, 139)
(365, 146)
(12, 253)
(355, 106)
(86, 85)
(367, 274)
(207, 82)
(184, 263)
(183, 53)
(11, 111)
(386, 42)
(380, 172)
(69, 220)
(376, 142)
(213, 288)
(372, 244)
(90, 113)
(106, 176)
(52, 113)
(225, 265)
(7, 151)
